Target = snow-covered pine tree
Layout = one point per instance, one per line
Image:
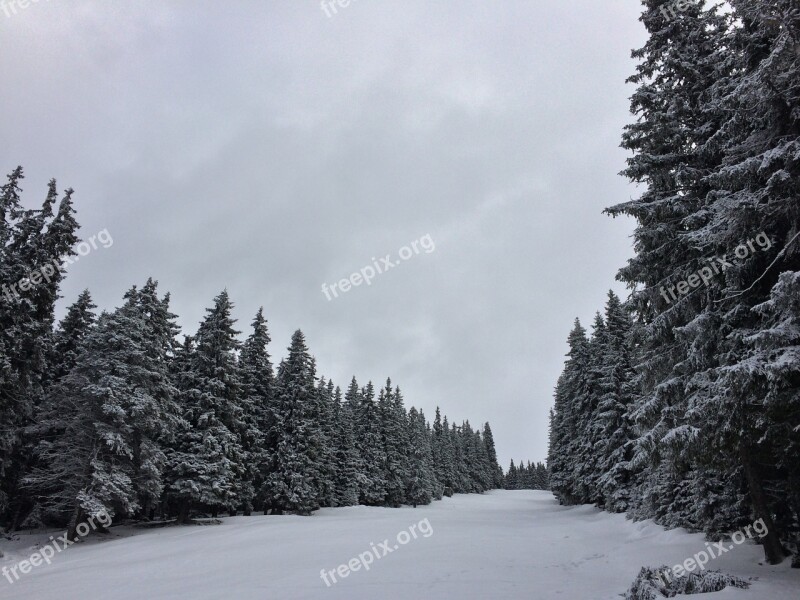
(482, 470)
(443, 454)
(325, 456)
(109, 415)
(369, 444)
(155, 418)
(512, 477)
(438, 486)
(462, 480)
(566, 427)
(542, 477)
(206, 465)
(293, 481)
(715, 144)
(584, 448)
(613, 424)
(32, 246)
(674, 152)
(421, 480)
(491, 454)
(772, 367)
(349, 474)
(395, 436)
(258, 411)
(756, 197)
(69, 334)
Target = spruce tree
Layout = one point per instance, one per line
(614, 436)
(69, 334)
(491, 455)
(421, 481)
(349, 470)
(206, 466)
(33, 244)
(370, 446)
(567, 432)
(110, 415)
(293, 480)
(395, 433)
(258, 411)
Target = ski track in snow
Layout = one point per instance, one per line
(500, 545)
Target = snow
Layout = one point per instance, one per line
(502, 544)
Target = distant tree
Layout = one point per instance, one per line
(421, 481)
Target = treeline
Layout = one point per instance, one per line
(526, 477)
(112, 414)
(683, 405)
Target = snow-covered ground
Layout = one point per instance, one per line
(501, 545)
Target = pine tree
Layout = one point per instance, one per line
(326, 426)
(369, 444)
(71, 331)
(586, 473)
(462, 437)
(421, 480)
(566, 431)
(154, 416)
(614, 436)
(714, 145)
(207, 463)
(293, 481)
(512, 477)
(491, 455)
(110, 414)
(443, 455)
(32, 246)
(756, 197)
(349, 474)
(258, 411)
(394, 432)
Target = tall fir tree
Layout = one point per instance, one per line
(258, 411)
(370, 445)
(421, 481)
(394, 433)
(206, 465)
(293, 481)
(33, 244)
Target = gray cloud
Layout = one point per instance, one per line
(266, 148)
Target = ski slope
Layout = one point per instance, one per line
(501, 545)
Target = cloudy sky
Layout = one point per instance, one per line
(268, 148)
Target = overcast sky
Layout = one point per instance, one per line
(266, 148)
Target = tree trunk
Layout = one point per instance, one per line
(183, 512)
(773, 550)
(77, 519)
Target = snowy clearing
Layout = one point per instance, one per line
(503, 545)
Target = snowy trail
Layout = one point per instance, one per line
(501, 545)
